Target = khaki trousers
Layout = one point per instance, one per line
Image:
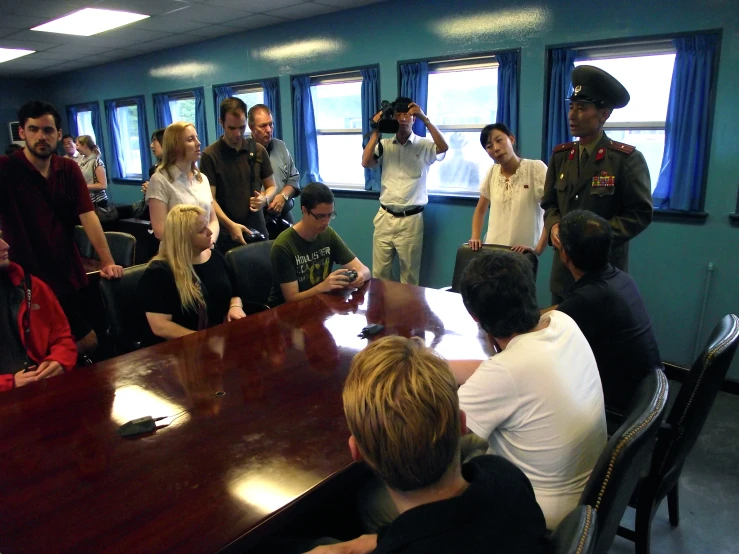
(401, 235)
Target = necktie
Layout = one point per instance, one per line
(583, 158)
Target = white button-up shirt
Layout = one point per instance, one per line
(404, 169)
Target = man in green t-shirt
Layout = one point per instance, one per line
(303, 256)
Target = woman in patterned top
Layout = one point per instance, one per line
(93, 169)
(512, 189)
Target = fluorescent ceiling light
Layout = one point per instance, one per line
(7, 54)
(89, 21)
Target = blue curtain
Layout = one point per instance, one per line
(272, 101)
(114, 130)
(162, 113)
(508, 90)
(304, 128)
(97, 125)
(370, 105)
(560, 88)
(72, 121)
(143, 136)
(200, 125)
(219, 95)
(686, 127)
(414, 84)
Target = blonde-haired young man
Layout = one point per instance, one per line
(400, 402)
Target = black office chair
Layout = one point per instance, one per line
(122, 248)
(680, 432)
(576, 533)
(624, 457)
(83, 243)
(252, 266)
(127, 325)
(465, 254)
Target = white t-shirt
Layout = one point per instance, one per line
(180, 190)
(516, 216)
(404, 169)
(539, 403)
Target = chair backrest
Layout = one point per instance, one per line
(252, 266)
(465, 255)
(695, 399)
(127, 325)
(576, 533)
(83, 243)
(626, 454)
(122, 247)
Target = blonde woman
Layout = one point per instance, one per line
(93, 169)
(178, 180)
(188, 286)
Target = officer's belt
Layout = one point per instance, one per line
(405, 213)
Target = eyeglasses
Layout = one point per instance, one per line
(323, 217)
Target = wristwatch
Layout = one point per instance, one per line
(285, 196)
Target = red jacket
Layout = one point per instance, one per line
(49, 337)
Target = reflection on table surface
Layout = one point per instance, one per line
(253, 421)
(91, 265)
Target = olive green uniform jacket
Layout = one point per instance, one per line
(614, 183)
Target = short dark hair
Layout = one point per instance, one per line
(485, 133)
(314, 194)
(35, 109)
(232, 105)
(401, 100)
(65, 137)
(498, 289)
(257, 108)
(158, 135)
(586, 238)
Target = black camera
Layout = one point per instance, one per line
(388, 123)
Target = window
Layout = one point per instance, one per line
(84, 124)
(251, 95)
(647, 76)
(182, 107)
(338, 114)
(128, 124)
(462, 99)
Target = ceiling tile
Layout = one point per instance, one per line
(348, 4)
(255, 21)
(215, 31)
(4, 31)
(10, 42)
(255, 6)
(21, 21)
(177, 40)
(81, 50)
(44, 9)
(167, 25)
(146, 7)
(52, 54)
(208, 14)
(308, 9)
(37, 36)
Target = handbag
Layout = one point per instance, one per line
(138, 208)
(106, 214)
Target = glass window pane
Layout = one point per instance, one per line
(647, 78)
(183, 109)
(337, 106)
(463, 168)
(129, 140)
(651, 143)
(340, 159)
(251, 98)
(84, 124)
(463, 97)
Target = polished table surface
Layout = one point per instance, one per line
(260, 426)
(90, 265)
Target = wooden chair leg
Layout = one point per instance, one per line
(673, 506)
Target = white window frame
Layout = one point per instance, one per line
(485, 61)
(353, 76)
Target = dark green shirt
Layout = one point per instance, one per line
(307, 262)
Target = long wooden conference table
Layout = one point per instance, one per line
(255, 427)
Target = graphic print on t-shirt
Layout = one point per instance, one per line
(314, 267)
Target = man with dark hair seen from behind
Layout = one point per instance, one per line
(42, 197)
(598, 174)
(405, 160)
(237, 169)
(303, 256)
(538, 402)
(287, 177)
(606, 305)
(401, 407)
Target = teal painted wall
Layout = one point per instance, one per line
(13, 93)
(669, 260)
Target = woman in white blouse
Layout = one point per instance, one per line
(177, 179)
(93, 169)
(512, 189)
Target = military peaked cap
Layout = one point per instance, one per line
(592, 84)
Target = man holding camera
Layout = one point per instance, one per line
(405, 160)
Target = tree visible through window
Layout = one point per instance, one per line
(128, 124)
(182, 108)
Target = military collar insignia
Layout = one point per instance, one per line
(578, 88)
(600, 155)
(572, 154)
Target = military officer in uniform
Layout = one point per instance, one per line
(596, 173)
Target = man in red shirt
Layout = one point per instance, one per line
(42, 197)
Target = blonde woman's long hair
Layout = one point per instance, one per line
(173, 148)
(90, 143)
(177, 251)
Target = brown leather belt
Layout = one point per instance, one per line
(406, 213)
